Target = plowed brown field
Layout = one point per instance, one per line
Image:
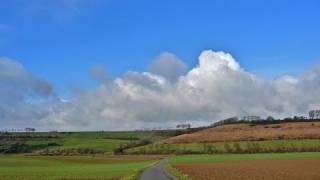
(295, 169)
(247, 132)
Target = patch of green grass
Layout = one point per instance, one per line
(135, 175)
(103, 141)
(54, 168)
(239, 157)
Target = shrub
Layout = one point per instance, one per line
(15, 148)
(131, 144)
(227, 148)
(277, 126)
(237, 148)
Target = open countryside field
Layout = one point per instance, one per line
(72, 167)
(159, 90)
(241, 138)
(298, 166)
(252, 132)
(87, 155)
(67, 143)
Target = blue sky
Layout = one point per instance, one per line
(48, 47)
(60, 40)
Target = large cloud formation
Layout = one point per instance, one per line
(167, 94)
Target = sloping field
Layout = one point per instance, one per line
(268, 146)
(251, 132)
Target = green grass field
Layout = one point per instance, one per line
(68, 165)
(75, 167)
(230, 147)
(101, 142)
(239, 157)
(76, 143)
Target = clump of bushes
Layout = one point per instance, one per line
(276, 127)
(6, 136)
(249, 147)
(15, 148)
(131, 144)
(21, 147)
(70, 152)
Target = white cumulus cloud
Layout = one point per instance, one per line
(218, 87)
(169, 66)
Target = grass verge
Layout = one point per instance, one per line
(176, 173)
(135, 175)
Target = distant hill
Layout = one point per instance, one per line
(251, 132)
(75, 143)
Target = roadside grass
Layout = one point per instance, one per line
(135, 175)
(176, 173)
(272, 146)
(239, 157)
(75, 167)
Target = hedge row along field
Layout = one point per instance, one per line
(273, 146)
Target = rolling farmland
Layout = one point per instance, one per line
(123, 155)
(300, 145)
(68, 143)
(72, 167)
(251, 132)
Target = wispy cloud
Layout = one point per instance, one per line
(57, 10)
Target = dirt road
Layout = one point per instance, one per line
(157, 172)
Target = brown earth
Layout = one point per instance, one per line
(250, 132)
(295, 169)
